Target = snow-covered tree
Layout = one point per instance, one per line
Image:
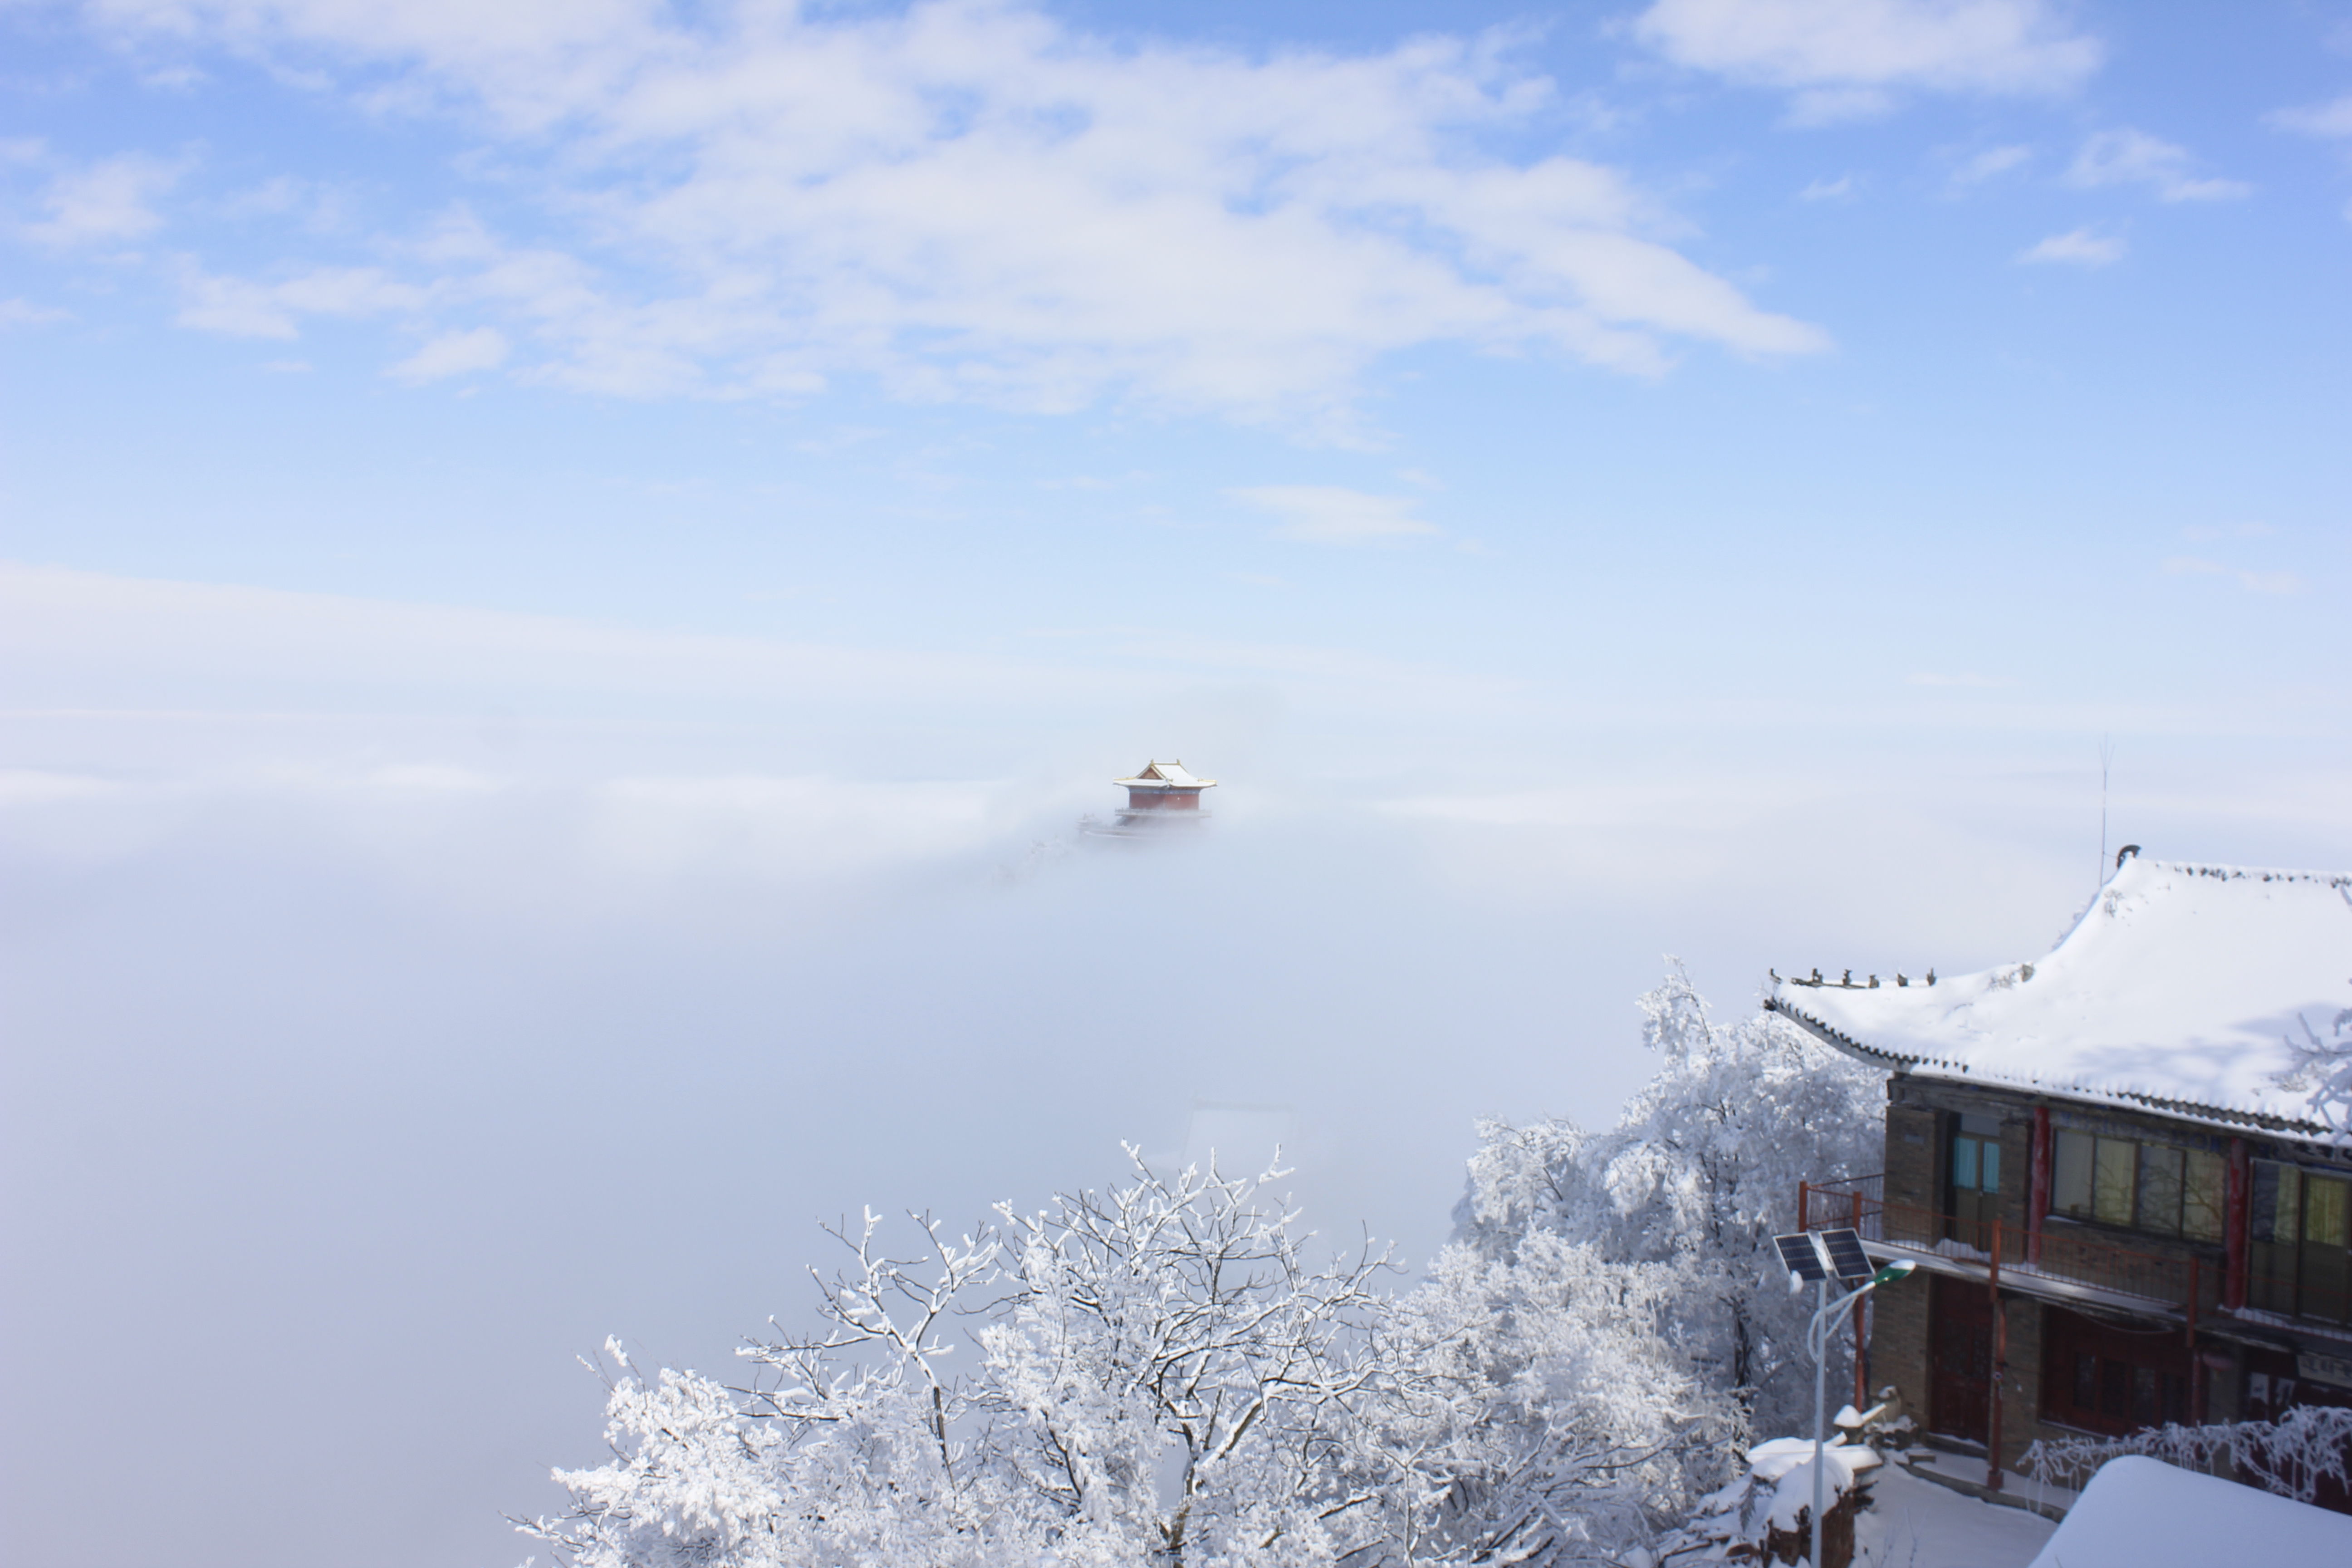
(1166, 1377)
(1173, 1381)
(842, 1451)
(1697, 1174)
(2322, 1068)
(1548, 1417)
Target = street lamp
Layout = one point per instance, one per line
(1822, 1256)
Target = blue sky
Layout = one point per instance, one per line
(560, 560)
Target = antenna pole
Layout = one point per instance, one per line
(2106, 754)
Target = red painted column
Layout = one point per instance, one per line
(2037, 1183)
(2196, 1362)
(2237, 1211)
(1999, 1365)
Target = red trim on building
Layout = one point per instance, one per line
(2037, 1183)
(2237, 1210)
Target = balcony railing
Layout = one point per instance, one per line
(2186, 1285)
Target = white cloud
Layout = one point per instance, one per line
(245, 308)
(1828, 190)
(22, 312)
(1990, 164)
(2252, 582)
(1331, 514)
(1846, 58)
(2133, 157)
(33, 786)
(2077, 248)
(2331, 120)
(454, 353)
(109, 201)
(972, 200)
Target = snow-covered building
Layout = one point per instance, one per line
(1160, 795)
(1163, 786)
(2108, 1166)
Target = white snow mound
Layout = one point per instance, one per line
(2139, 1512)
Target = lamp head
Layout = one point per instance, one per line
(1900, 1268)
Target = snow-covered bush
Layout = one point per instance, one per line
(1766, 1515)
(1697, 1174)
(2294, 1455)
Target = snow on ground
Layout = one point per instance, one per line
(1912, 1523)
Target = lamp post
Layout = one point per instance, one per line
(1817, 1342)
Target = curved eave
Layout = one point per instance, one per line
(1942, 1066)
(1164, 784)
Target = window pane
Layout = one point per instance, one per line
(2278, 1202)
(1964, 1164)
(2160, 1187)
(2324, 1281)
(2070, 1192)
(2272, 1287)
(2325, 1210)
(2086, 1381)
(2202, 1204)
(1989, 1168)
(2111, 1181)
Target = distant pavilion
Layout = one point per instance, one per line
(1164, 786)
(1160, 795)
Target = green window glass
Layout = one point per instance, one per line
(1964, 1164)
(2160, 1171)
(2111, 1179)
(2324, 1273)
(2278, 1202)
(2325, 1210)
(2276, 1215)
(2206, 1198)
(2070, 1187)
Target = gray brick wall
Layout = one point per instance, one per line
(2020, 1382)
(1912, 1156)
(1899, 1344)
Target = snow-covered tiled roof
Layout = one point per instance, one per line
(2177, 991)
(1165, 776)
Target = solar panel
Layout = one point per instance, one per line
(1801, 1257)
(1847, 1257)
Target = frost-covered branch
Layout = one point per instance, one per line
(2322, 1068)
(2294, 1456)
